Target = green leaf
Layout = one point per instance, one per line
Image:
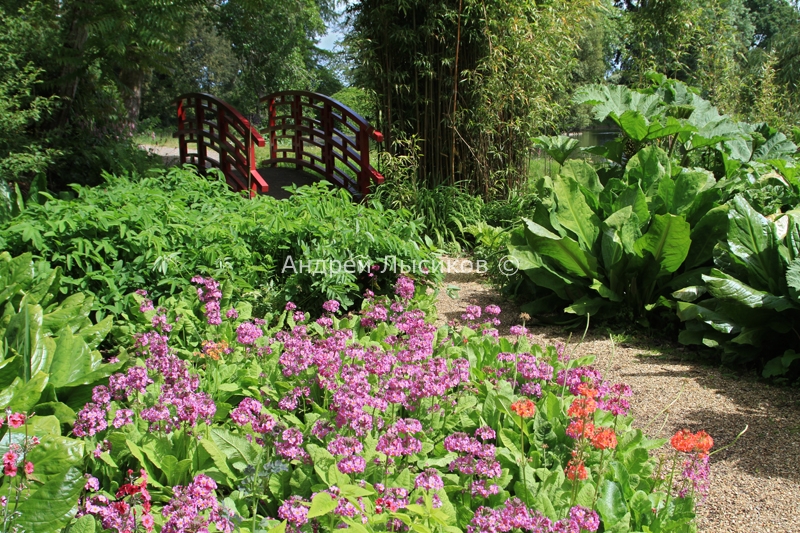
(558, 147)
(566, 252)
(611, 504)
(752, 239)
(574, 212)
(59, 465)
(647, 167)
(634, 124)
(72, 360)
(322, 504)
(667, 240)
(710, 230)
(84, 524)
(237, 449)
(725, 287)
(583, 173)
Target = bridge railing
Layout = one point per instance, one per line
(321, 132)
(205, 124)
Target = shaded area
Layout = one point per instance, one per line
(280, 177)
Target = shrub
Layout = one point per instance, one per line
(155, 231)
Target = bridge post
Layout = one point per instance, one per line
(182, 150)
(273, 135)
(327, 150)
(222, 131)
(200, 117)
(297, 140)
(364, 174)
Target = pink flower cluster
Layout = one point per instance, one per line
(252, 412)
(476, 458)
(194, 507)
(399, 439)
(516, 515)
(209, 294)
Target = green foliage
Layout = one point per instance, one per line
(156, 232)
(467, 82)
(443, 210)
(748, 305)
(50, 344)
(23, 156)
(590, 247)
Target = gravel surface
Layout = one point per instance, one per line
(755, 484)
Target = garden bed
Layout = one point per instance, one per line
(755, 484)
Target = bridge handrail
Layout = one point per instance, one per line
(334, 138)
(227, 132)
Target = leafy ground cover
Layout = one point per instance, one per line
(376, 421)
(156, 231)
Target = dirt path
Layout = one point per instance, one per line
(755, 485)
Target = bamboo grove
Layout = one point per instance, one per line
(471, 81)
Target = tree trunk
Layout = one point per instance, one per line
(132, 80)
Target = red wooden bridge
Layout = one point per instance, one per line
(311, 137)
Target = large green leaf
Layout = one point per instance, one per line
(583, 173)
(22, 396)
(25, 337)
(711, 229)
(574, 212)
(622, 230)
(533, 265)
(237, 449)
(776, 146)
(647, 167)
(59, 465)
(667, 241)
(72, 359)
(611, 505)
(688, 186)
(563, 250)
(725, 287)
(559, 147)
(752, 239)
(633, 124)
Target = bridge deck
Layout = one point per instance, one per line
(280, 177)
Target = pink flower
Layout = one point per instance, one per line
(29, 468)
(15, 420)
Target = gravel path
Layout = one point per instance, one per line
(755, 484)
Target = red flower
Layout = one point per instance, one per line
(687, 442)
(604, 439)
(524, 408)
(582, 407)
(586, 391)
(576, 470)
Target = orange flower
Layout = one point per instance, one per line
(703, 442)
(578, 428)
(604, 439)
(582, 407)
(524, 408)
(586, 391)
(687, 442)
(576, 470)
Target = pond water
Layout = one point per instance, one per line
(594, 137)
